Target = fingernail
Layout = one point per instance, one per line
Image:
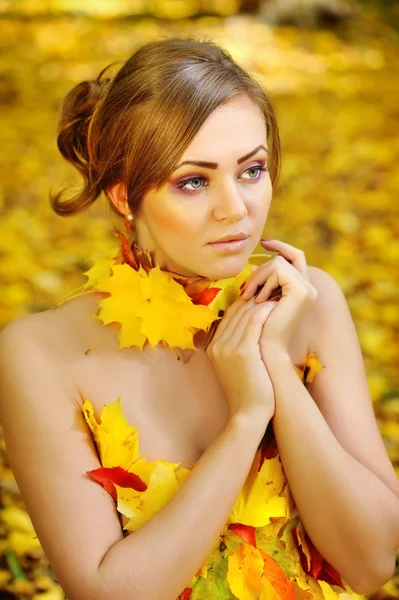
(265, 239)
(242, 291)
(242, 285)
(275, 299)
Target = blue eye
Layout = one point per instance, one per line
(258, 169)
(183, 183)
(195, 182)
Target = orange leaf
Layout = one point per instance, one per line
(128, 255)
(278, 579)
(245, 571)
(205, 297)
(246, 532)
(193, 286)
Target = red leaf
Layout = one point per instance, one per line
(269, 447)
(205, 297)
(334, 577)
(186, 594)
(246, 532)
(320, 569)
(108, 476)
(316, 559)
(106, 483)
(128, 254)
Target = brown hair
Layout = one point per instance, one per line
(134, 127)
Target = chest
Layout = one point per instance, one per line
(180, 408)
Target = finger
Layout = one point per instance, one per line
(266, 292)
(254, 327)
(229, 319)
(255, 279)
(279, 281)
(259, 277)
(235, 337)
(295, 256)
(228, 314)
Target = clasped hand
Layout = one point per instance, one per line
(288, 274)
(254, 327)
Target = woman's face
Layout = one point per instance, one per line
(227, 194)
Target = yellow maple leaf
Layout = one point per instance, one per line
(153, 307)
(162, 485)
(118, 445)
(117, 441)
(260, 498)
(100, 269)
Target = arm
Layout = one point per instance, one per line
(170, 548)
(50, 448)
(344, 486)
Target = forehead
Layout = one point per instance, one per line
(233, 129)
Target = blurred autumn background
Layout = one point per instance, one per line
(332, 69)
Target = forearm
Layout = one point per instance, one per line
(158, 561)
(347, 511)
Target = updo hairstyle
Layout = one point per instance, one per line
(133, 127)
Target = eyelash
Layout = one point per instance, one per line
(184, 182)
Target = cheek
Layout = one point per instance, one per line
(264, 205)
(176, 220)
(259, 206)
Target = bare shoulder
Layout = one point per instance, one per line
(50, 345)
(60, 331)
(328, 289)
(20, 332)
(321, 279)
(40, 347)
(330, 299)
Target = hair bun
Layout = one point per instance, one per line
(87, 95)
(74, 119)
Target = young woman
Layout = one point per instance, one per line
(185, 145)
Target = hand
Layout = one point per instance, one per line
(288, 275)
(235, 355)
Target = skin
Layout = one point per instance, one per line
(179, 409)
(178, 224)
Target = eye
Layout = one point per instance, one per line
(257, 169)
(194, 181)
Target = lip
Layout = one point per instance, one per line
(232, 237)
(231, 246)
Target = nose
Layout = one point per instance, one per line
(230, 203)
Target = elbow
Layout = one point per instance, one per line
(126, 588)
(372, 579)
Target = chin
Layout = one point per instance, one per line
(227, 266)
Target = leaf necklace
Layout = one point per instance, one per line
(158, 306)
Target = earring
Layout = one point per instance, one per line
(128, 220)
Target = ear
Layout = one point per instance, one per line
(117, 193)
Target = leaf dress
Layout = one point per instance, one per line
(263, 552)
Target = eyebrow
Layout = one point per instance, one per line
(213, 165)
